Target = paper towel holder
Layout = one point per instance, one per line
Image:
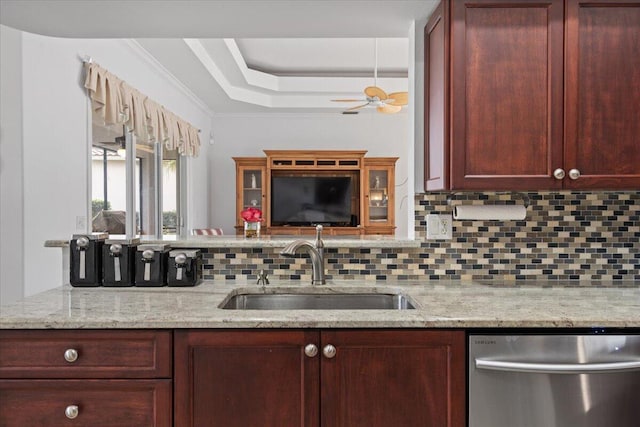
(523, 196)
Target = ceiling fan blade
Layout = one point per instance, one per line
(398, 98)
(372, 91)
(389, 109)
(357, 107)
(348, 100)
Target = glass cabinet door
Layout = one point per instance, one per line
(252, 188)
(378, 195)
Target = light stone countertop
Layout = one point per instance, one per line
(440, 304)
(224, 241)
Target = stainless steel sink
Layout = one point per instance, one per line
(291, 301)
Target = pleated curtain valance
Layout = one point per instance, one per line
(116, 102)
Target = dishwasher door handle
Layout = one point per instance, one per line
(557, 368)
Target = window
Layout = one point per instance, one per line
(153, 184)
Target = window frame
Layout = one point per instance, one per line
(132, 191)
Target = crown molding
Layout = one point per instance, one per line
(166, 74)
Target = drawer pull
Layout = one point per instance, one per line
(71, 355)
(71, 411)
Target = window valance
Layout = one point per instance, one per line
(116, 102)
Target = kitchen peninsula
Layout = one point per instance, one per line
(139, 349)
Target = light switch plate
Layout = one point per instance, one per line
(439, 227)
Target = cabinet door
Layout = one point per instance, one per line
(602, 83)
(379, 195)
(393, 378)
(98, 403)
(506, 89)
(245, 378)
(436, 115)
(251, 186)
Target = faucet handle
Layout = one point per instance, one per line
(262, 278)
(319, 242)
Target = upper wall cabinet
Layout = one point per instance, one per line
(497, 115)
(602, 94)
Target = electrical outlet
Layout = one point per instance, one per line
(81, 223)
(439, 227)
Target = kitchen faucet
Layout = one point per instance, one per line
(316, 253)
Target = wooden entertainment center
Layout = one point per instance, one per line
(371, 179)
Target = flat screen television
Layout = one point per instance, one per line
(310, 200)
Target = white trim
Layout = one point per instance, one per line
(249, 96)
(272, 91)
(166, 74)
(88, 166)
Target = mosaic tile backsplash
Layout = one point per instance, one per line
(565, 236)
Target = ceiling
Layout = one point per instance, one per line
(249, 56)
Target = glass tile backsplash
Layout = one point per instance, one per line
(565, 236)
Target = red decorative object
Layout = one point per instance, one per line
(251, 214)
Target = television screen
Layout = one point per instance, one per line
(309, 200)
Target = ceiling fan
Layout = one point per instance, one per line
(376, 97)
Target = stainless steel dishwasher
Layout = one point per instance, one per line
(534, 380)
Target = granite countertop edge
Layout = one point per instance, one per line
(440, 304)
(268, 242)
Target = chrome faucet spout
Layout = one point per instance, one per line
(316, 253)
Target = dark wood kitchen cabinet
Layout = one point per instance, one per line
(88, 378)
(245, 378)
(602, 94)
(393, 378)
(523, 96)
(326, 378)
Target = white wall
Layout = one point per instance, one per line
(11, 229)
(247, 135)
(55, 163)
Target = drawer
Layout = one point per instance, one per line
(99, 403)
(100, 354)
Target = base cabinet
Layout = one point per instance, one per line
(94, 403)
(319, 378)
(393, 378)
(85, 378)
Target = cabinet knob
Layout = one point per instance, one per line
(558, 173)
(71, 355)
(311, 350)
(574, 174)
(71, 411)
(329, 351)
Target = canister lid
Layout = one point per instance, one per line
(91, 236)
(189, 253)
(157, 247)
(133, 241)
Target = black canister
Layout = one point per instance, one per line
(184, 267)
(151, 265)
(118, 262)
(86, 259)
